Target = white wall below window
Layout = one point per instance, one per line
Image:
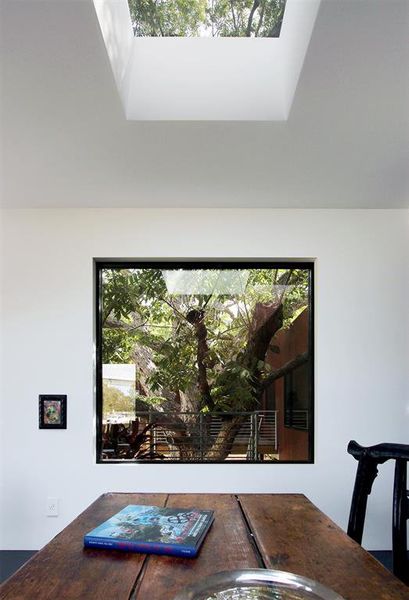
(361, 333)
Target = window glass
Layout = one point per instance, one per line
(204, 362)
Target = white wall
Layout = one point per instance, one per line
(47, 321)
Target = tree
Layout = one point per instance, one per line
(116, 401)
(199, 352)
(214, 18)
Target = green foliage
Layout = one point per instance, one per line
(120, 295)
(245, 18)
(232, 389)
(117, 346)
(175, 362)
(215, 18)
(130, 298)
(127, 291)
(151, 400)
(116, 401)
(140, 314)
(296, 296)
(167, 17)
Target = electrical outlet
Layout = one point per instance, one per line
(51, 509)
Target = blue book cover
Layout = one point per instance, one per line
(153, 530)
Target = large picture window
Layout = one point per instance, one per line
(204, 361)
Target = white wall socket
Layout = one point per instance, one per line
(51, 509)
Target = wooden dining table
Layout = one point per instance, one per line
(274, 531)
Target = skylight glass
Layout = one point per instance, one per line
(207, 18)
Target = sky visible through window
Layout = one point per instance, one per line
(207, 18)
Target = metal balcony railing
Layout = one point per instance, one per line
(208, 436)
(297, 419)
(214, 436)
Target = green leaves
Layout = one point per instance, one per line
(115, 400)
(167, 17)
(152, 401)
(232, 390)
(117, 347)
(211, 18)
(175, 367)
(144, 324)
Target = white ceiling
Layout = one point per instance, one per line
(66, 142)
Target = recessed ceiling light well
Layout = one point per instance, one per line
(207, 18)
(206, 60)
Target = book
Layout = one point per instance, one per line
(153, 530)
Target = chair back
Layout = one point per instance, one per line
(369, 458)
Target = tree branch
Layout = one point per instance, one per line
(115, 324)
(196, 318)
(106, 312)
(255, 6)
(175, 310)
(261, 18)
(234, 16)
(267, 320)
(299, 360)
(275, 30)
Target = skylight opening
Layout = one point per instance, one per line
(166, 73)
(207, 18)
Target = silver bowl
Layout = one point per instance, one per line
(257, 584)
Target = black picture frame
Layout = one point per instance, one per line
(52, 411)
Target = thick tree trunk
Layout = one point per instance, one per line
(267, 320)
(196, 318)
(223, 444)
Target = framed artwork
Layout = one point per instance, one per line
(52, 411)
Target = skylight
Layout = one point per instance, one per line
(173, 69)
(207, 18)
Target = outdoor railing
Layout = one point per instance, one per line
(297, 419)
(195, 436)
(206, 437)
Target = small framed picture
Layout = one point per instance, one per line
(52, 412)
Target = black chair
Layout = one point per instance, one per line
(368, 460)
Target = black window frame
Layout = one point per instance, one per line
(103, 263)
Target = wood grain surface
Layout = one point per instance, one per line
(279, 531)
(294, 535)
(227, 546)
(65, 570)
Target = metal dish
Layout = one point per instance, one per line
(257, 584)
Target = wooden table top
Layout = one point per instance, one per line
(279, 531)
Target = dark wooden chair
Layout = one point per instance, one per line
(368, 460)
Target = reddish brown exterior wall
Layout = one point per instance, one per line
(292, 443)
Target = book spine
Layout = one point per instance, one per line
(145, 548)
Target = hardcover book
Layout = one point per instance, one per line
(153, 530)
